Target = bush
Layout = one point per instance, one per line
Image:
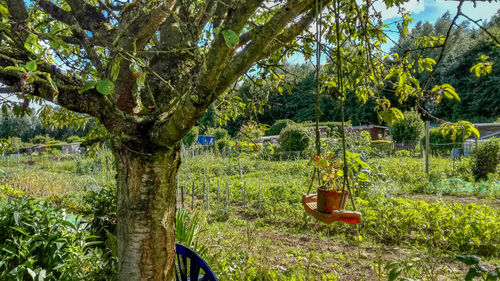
(408, 129)
(294, 138)
(191, 137)
(218, 133)
(222, 144)
(441, 144)
(72, 139)
(250, 132)
(278, 126)
(384, 146)
(41, 139)
(39, 244)
(486, 159)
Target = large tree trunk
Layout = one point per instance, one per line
(146, 212)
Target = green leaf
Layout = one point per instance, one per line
(42, 274)
(469, 259)
(16, 217)
(31, 273)
(19, 230)
(363, 177)
(16, 68)
(115, 69)
(217, 30)
(31, 66)
(53, 84)
(135, 69)
(87, 86)
(105, 87)
(231, 38)
(141, 79)
(4, 11)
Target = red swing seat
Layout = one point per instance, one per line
(310, 205)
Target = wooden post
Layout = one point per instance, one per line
(207, 191)
(192, 195)
(427, 146)
(244, 194)
(183, 187)
(227, 194)
(260, 193)
(177, 189)
(218, 189)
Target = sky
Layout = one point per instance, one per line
(427, 10)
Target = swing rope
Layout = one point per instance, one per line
(318, 90)
(341, 96)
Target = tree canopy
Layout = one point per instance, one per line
(148, 70)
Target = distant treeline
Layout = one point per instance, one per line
(28, 127)
(480, 97)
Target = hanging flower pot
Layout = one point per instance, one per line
(330, 200)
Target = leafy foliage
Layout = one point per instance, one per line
(278, 126)
(410, 129)
(191, 137)
(39, 244)
(294, 138)
(486, 159)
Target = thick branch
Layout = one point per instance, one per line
(67, 94)
(266, 41)
(139, 31)
(219, 52)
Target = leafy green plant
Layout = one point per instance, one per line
(36, 243)
(187, 230)
(486, 159)
(294, 138)
(278, 126)
(218, 133)
(408, 129)
(477, 270)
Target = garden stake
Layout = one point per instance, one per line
(227, 194)
(192, 195)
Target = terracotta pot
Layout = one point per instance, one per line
(329, 200)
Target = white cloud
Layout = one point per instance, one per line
(412, 6)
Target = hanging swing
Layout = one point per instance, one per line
(310, 201)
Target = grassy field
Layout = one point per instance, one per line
(412, 224)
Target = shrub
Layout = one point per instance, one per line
(250, 132)
(403, 153)
(408, 129)
(294, 138)
(39, 244)
(441, 144)
(278, 126)
(72, 139)
(487, 158)
(218, 133)
(100, 207)
(222, 144)
(191, 137)
(384, 146)
(41, 139)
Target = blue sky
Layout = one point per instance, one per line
(428, 10)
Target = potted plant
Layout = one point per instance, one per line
(330, 173)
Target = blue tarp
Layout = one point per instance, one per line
(205, 140)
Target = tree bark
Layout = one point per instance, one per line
(146, 212)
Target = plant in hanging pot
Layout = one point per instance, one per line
(330, 173)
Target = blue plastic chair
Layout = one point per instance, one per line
(189, 266)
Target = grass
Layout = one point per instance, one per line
(405, 220)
